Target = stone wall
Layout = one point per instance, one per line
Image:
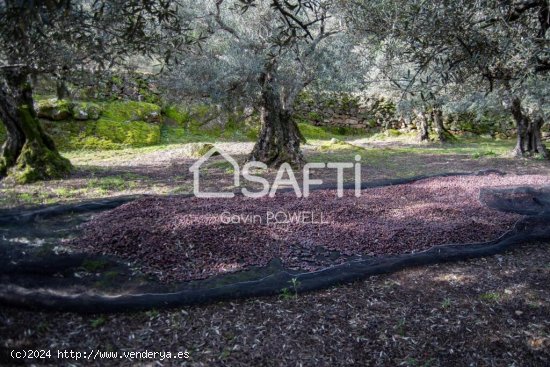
(346, 110)
(379, 113)
(496, 125)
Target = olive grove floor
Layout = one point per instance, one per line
(485, 312)
(489, 311)
(165, 169)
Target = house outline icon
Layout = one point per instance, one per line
(195, 168)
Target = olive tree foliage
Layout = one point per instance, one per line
(60, 38)
(499, 46)
(262, 54)
(420, 94)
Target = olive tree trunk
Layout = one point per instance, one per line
(422, 126)
(28, 154)
(521, 127)
(61, 89)
(529, 136)
(535, 144)
(443, 135)
(280, 137)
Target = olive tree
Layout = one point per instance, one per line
(420, 94)
(486, 45)
(56, 37)
(263, 54)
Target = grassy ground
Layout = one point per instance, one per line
(164, 169)
(487, 312)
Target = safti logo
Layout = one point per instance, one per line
(271, 189)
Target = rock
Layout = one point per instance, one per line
(197, 150)
(58, 110)
(80, 114)
(153, 117)
(85, 111)
(53, 109)
(94, 111)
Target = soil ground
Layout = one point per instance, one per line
(485, 312)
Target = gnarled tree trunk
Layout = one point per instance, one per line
(61, 89)
(529, 139)
(422, 126)
(28, 154)
(280, 138)
(522, 123)
(536, 144)
(442, 134)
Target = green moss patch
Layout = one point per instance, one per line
(85, 111)
(131, 111)
(313, 132)
(59, 110)
(131, 133)
(176, 116)
(395, 135)
(393, 132)
(202, 123)
(121, 125)
(102, 134)
(174, 135)
(125, 124)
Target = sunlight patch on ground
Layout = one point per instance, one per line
(454, 279)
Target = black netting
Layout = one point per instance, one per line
(521, 200)
(37, 283)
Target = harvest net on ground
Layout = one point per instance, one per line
(182, 238)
